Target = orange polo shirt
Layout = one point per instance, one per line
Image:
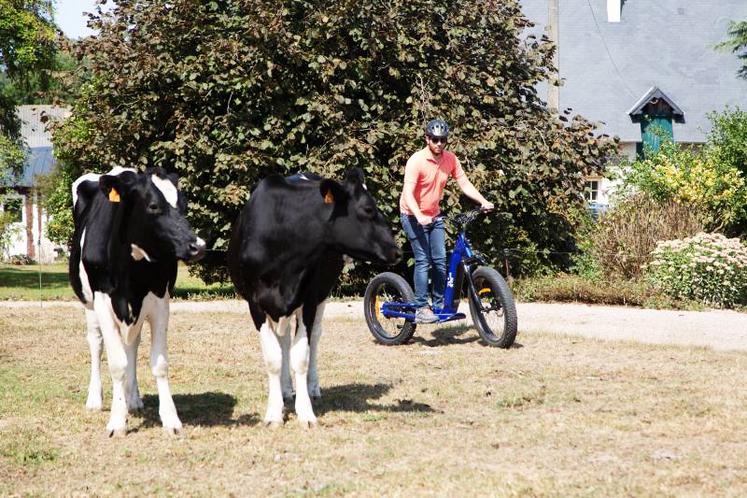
(427, 177)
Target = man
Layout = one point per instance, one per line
(426, 174)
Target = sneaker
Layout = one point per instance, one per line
(425, 315)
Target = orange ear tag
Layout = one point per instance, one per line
(114, 195)
(328, 197)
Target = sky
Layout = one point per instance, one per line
(69, 17)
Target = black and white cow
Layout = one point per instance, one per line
(285, 255)
(130, 230)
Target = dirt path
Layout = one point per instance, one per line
(720, 330)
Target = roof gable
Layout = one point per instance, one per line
(655, 96)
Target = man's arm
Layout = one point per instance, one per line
(470, 191)
(408, 194)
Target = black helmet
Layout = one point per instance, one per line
(437, 128)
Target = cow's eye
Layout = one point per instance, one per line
(153, 208)
(369, 211)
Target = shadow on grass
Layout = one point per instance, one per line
(357, 398)
(27, 277)
(445, 336)
(205, 409)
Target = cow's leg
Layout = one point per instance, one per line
(300, 365)
(316, 332)
(284, 336)
(159, 365)
(134, 401)
(117, 359)
(273, 356)
(95, 345)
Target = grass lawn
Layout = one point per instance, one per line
(443, 416)
(21, 282)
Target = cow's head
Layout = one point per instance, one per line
(154, 210)
(358, 228)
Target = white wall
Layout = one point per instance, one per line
(45, 253)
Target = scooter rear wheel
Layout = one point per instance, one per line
(387, 288)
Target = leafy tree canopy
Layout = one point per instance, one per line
(27, 48)
(228, 91)
(737, 43)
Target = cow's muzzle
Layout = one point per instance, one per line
(393, 256)
(196, 250)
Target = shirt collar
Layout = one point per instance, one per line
(430, 157)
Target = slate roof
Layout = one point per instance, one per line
(668, 44)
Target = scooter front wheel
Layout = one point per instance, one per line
(388, 288)
(493, 309)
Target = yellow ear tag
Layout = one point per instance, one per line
(114, 195)
(328, 197)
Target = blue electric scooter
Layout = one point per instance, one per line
(389, 300)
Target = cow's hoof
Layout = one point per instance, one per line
(135, 404)
(116, 432)
(273, 424)
(307, 424)
(173, 431)
(289, 398)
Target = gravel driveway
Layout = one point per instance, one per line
(720, 330)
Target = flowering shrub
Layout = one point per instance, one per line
(695, 178)
(707, 267)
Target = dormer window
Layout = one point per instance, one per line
(655, 112)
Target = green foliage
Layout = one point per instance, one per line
(624, 237)
(58, 199)
(225, 93)
(27, 36)
(710, 180)
(8, 230)
(11, 158)
(59, 84)
(728, 139)
(27, 48)
(707, 267)
(737, 43)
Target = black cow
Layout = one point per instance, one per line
(285, 255)
(130, 230)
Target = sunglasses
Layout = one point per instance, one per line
(438, 140)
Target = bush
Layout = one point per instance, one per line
(711, 180)
(573, 288)
(709, 268)
(624, 237)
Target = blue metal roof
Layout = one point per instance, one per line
(35, 133)
(39, 161)
(668, 44)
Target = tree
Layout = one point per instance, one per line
(27, 48)
(227, 92)
(738, 43)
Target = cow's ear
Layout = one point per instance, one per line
(355, 181)
(331, 191)
(115, 187)
(355, 176)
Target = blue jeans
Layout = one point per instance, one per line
(429, 246)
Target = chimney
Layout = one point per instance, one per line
(613, 10)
